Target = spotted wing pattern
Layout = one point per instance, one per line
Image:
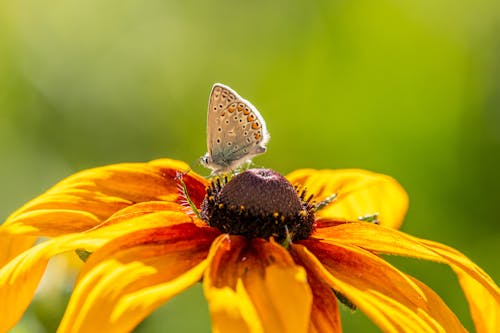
(235, 130)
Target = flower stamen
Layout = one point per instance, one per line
(328, 200)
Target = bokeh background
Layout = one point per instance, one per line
(406, 88)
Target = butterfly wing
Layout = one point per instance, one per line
(235, 129)
(220, 98)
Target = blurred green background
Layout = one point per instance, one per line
(406, 88)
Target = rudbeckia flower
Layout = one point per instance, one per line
(269, 259)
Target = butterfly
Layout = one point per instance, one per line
(236, 131)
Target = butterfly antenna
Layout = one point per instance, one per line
(179, 175)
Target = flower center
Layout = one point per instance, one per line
(258, 203)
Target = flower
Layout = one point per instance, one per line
(145, 248)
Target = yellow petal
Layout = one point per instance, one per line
(20, 277)
(359, 193)
(232, 310)
(254, 286)
(12, 245)
(440, 311)
(480, 290)
(392, 300)
(87, 198)
(129, 277)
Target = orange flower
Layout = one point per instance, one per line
(267, 259)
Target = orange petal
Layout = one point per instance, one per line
(89, 197)
(141, 209)
(254, 286)
(144, 215)
(325, 314)
(390, 298)
(125, 280)
(359, 193)
(20, 277)
(480, 290)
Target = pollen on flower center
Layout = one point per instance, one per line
(258, 203)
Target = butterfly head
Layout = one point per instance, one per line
(206, 161)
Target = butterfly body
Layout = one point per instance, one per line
(236, 131)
